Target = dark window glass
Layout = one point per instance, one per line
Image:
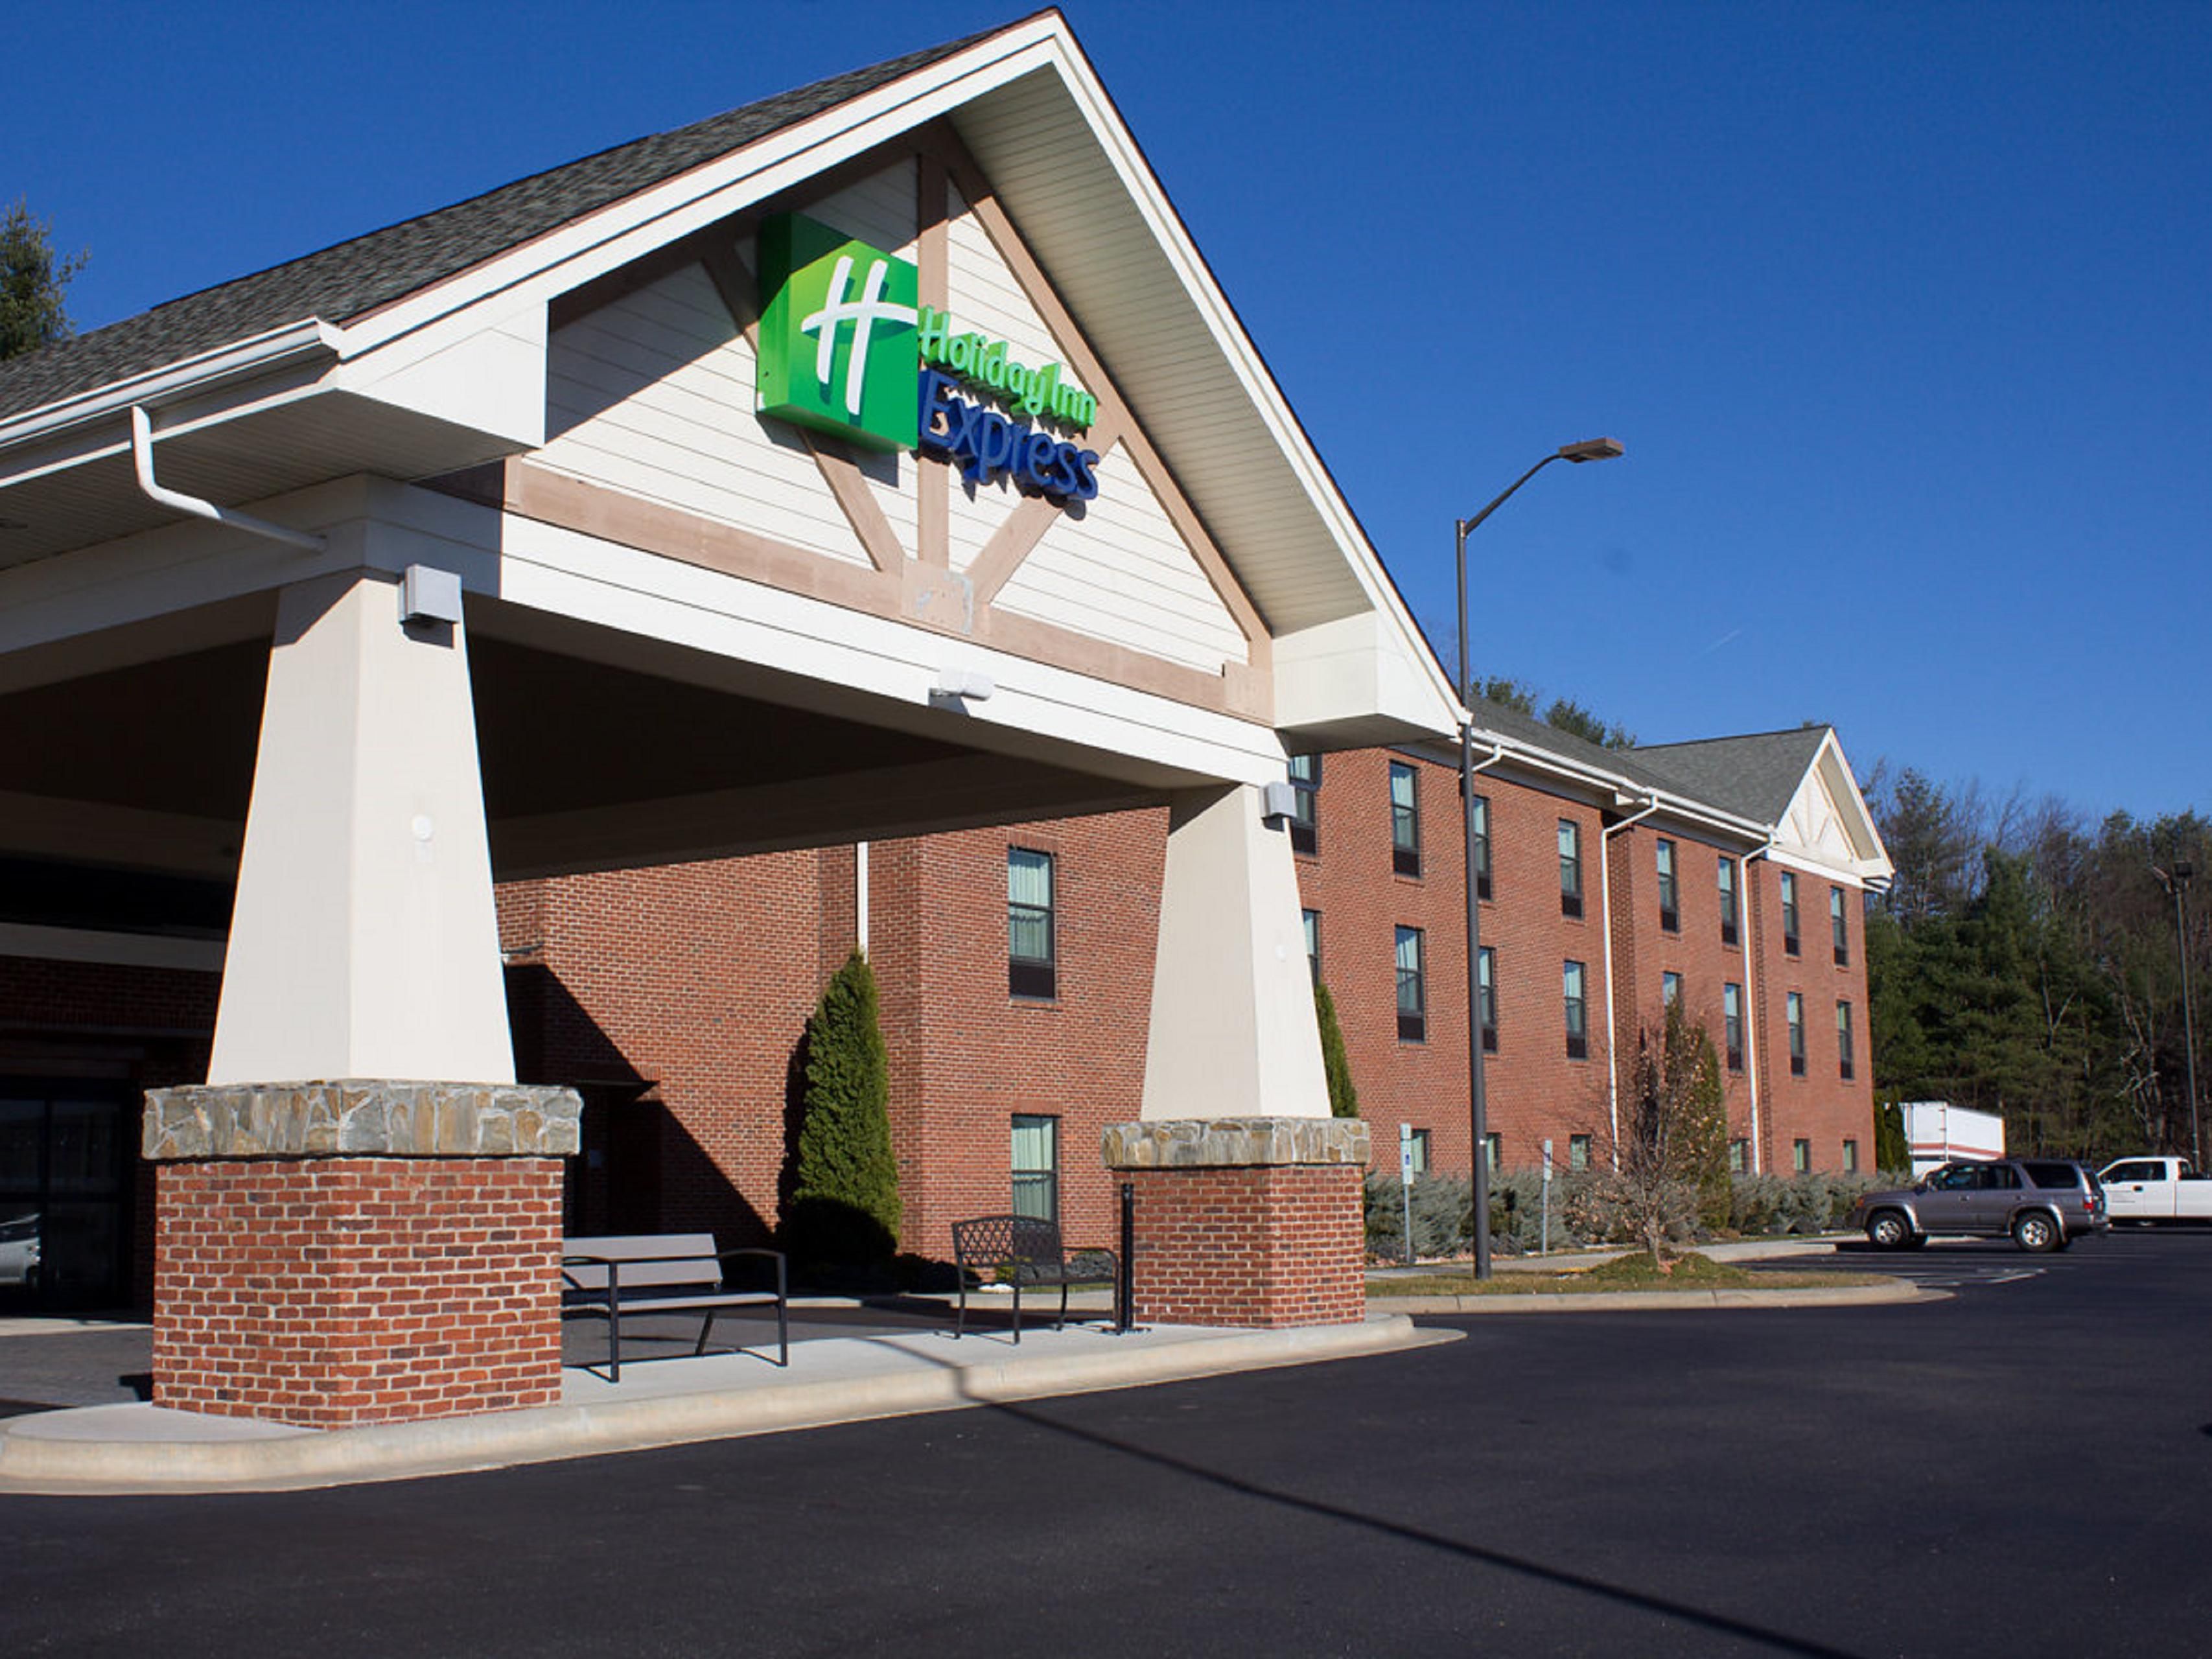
(1732, 1025)
(1801, 1156)
(1570, 868)
(1578, 1024)
(2064, 1176)
(1789, 912)
(1305, 803)
(1843, 1039)
(1037, 1167)
(1029, 959)
(1313, 943)
(1796, 1013)
(1728, 901)
(1739, 1157)
(1578, 1149)
(1412, 987)
(1670, 899)
(1486, 982)
(1850, 1157)
(1670, 990)
(1420, 1140)
(1839, 928)
(1405, 820)
(1482, 847)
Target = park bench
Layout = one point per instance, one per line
(1022, 1250)
(615, 1278)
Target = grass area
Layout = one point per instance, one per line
(1627, 1273)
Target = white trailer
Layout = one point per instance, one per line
(1938, 1132)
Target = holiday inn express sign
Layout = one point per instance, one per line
(846, 348)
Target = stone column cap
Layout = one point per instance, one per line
(1235, 1142)
(361, 1117)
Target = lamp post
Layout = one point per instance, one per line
(2176, 882)
(1594, 449)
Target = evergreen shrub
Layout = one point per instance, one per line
(843, 1211)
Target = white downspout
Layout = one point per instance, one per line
(1605, 911)
(142, 458)
(860, 895)
(1751, 1000)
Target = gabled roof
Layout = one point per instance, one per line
(355, 278)
(1755, 776)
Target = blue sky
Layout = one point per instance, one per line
(1900, 310)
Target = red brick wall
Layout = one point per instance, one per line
(1821, 1107)
(334, 1292)
(1249, 1247)
(967, 1056)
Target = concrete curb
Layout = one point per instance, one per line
(1896, 1290)
(132, 1449)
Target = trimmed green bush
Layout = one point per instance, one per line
(1335, 1063)
(844, 1206)
(1891, 1151)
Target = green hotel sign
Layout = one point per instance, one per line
(837, 336)
(846, 348)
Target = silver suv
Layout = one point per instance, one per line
(2042, 1203)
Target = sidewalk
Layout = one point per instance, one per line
(134, 1448)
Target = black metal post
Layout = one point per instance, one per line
(1598, 449)
(1125, 1267)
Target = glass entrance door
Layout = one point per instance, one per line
(64, 1162)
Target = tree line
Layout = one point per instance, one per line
(2027, 962)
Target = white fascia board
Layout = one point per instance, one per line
(294, 346)
(567, 572)
(1340, 671)
(1627, 792)
(625, 230)
(1259, 385)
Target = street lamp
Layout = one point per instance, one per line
(1593, 449)
(2176, 882)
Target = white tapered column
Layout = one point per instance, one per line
(364, 942)
(1233, 1030)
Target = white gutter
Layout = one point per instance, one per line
(141, 457)
(1605, 911)
(239, 360)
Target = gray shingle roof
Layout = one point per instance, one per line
(1754, 776)
(356, 276)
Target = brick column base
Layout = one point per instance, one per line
(413, 1274)
(1246, 1221)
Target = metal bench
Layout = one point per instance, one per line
(1026, 1251)
(659, 1274)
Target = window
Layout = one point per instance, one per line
(1670, 907)
(1305, 803)
(1482, 847)
(1036, 1166)
(1570, 868)
(1850, 1157)
(1739, 1157)
(1405, 820)
(1578, 1152)
(1412, 990)
(1789, 912)
(1487, 985)
(1839, 929)
(1844, 1039)
(1420, 1143)
(1312, 919)
(1493, 1151)
(1728, 901)
(1732, 1025)
(1028, 923)
(1578, 1030)
(1801, 1157)
(1670, 990)
(1796, 1012)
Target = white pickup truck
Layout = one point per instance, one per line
(2145, 1190)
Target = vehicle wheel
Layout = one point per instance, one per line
(2036, 1231)
(1887, 1229)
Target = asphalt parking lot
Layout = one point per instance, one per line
(2018, 1469)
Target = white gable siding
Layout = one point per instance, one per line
(1122, 573)
(984, 298)
(1813, 828)
(653, 395)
